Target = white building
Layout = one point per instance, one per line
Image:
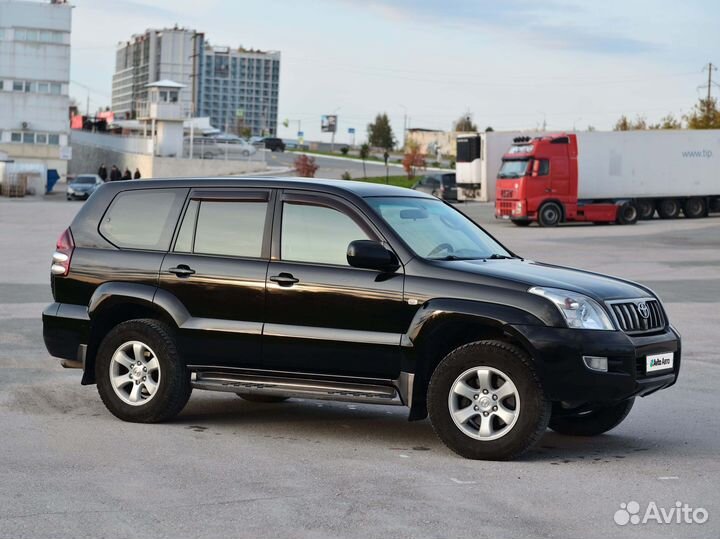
(155, 55)
(34, 83)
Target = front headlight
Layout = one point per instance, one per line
(579, 311)
(70, 191)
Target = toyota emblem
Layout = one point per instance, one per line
(643, 309)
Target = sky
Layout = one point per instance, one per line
(512, 64)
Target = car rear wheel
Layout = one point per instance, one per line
(550, 214)
(140, 375)
(250, 397)
(593, 422)
(627, 214)
(485, 401)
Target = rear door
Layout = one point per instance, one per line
(217, 269)
(324, 316)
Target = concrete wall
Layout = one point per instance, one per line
(87, 159)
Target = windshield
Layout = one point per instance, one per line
(84, 179)
(434, 230)
(513, 169)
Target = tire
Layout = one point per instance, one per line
(627, 214)
(593, 423)
(694, 208)
(517, 222)
(550, 214)
(526, 403)
(162, 366)
(250, 397)
(668, 208)
(645, 208)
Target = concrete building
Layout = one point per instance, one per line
(34, 85)
(237, 88)
(155, 55)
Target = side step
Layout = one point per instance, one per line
(297, 387)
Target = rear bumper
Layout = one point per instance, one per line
(558, 353)
(66, 330)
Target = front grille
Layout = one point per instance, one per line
(506, 193)
(503, 207)
(629, 315)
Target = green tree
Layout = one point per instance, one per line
(380, 133)
(465, 124)
(364, 154)
(667, 122)
(704, 115)
(625, 124)
(489, 129)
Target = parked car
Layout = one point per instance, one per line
(202, 148)
(273, 144)
(319, 289)
(234, 147)
(82, 186)
(438, 185)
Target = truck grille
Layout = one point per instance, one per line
(503, 207)
(507, 193)
(638, 316)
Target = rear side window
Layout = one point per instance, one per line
(142, 219)
(224, 228)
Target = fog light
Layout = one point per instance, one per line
(595, 363)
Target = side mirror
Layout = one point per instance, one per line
(370, 254)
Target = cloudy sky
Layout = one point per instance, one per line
(511, 63)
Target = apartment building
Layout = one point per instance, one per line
(34, 83)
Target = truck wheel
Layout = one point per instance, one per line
(549, 215)
(140, 375)
(694, 207)
(485, 401)
(250, 397)
(627, 214)
(668, 208)
(594, 422)
(646, 209)
(518, 222)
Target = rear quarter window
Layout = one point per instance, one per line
(142, 219)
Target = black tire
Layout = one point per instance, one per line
(694, 208)
(645, 208)
(173, 389)
(517, 222)
(532, 418)
(261, 398)
(594, 422)
(627, 214)
(550, 214)
(668, 208)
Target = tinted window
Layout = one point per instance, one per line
(186, 235)
(233, 228)
(317, 234)
(84, 179)
(142, 219)
(544, 167)
(448, 180)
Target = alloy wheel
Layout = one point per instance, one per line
(134, 373)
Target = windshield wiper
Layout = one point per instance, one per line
(496, 256)
(454, 257)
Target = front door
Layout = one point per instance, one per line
(217, 271)
(324, 316)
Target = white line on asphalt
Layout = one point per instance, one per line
(457, 481)
(668, 477)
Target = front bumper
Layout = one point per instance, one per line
(558, 355)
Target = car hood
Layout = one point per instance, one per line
(598, 286)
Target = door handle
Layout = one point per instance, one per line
(284, 279)
(182, 270)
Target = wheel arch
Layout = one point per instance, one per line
(444, 325)
(115, 302)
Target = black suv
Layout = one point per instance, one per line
(280, 288)
(273, 144)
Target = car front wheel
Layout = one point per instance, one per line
(485, 401)
(140, 375)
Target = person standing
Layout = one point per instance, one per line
(137, 175)
(127, 175)
(102, 172)
(115, 174)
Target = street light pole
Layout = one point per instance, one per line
(405, 117)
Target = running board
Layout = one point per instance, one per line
(297, 387)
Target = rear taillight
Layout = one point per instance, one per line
(63, 253)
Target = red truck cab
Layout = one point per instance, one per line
(538, 181)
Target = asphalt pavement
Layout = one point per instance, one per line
(229, 468)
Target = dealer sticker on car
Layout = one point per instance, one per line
(659, 362)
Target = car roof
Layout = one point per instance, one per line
(361, 189)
